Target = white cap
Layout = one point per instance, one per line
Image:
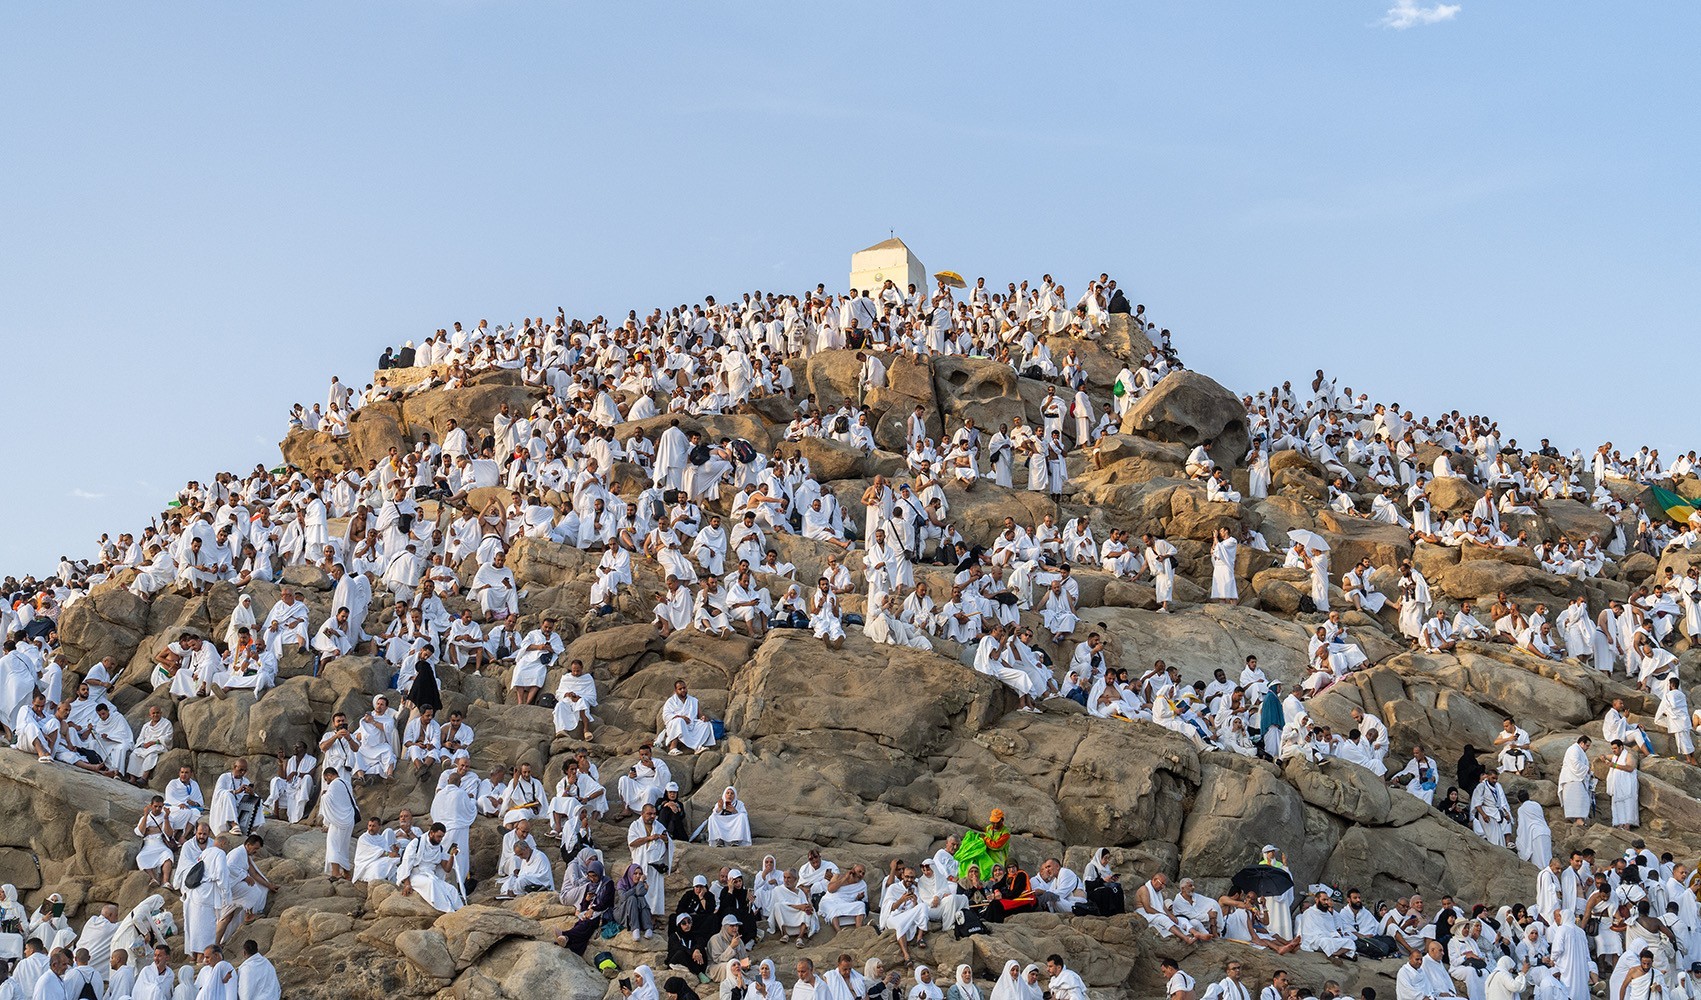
(1271, 849)
(699, 880)
(735, 873)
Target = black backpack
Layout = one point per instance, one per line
(196, 874)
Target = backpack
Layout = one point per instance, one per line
(1307, 605)
(1377, 946)
(969, 924)
(743, 450)
(196, 874)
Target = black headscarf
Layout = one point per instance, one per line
(1470, 770)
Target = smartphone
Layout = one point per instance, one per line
(626, 983)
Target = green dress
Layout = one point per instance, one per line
(984, 849)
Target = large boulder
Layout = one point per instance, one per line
(1354, 538)
(1481, 579)
(831, 460)
(314, 450)
(376, 428)
(1577, 521)
(1125, 338)
(108, 621)
(474, 408)
(1191, 409)
(988, 392)
(1240, 804)
(1452, 495)
(1432, 855)
(796, 684)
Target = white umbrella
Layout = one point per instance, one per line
(1310, 539)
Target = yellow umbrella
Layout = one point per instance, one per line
(951, 278)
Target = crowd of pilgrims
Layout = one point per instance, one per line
(707, 519)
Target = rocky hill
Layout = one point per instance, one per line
(875, 752)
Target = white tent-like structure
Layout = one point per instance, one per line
(890, 259)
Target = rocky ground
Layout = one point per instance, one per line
(875, 752)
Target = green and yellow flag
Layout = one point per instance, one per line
(1676, 507)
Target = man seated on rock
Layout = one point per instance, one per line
(1617, 727)
(454, 740)
(152, 741)
(1057, 888)
(1421, 774)
(1330, 644)
(709, 613)
(1466, 625)
(1436, 635)
(845, 898)
(790, 912)
(674, 607)
(537, 652)
(962, 616)
(818, 525)
(335, 638)
(377, 853)
(528, 871)
(184, 801)
(684, 724)
(1148, 901)
(1513, 745)
(525, 798)
(235, 804)
(428, 868)
(465, 644)
(248, 667)
(748, 603)
(286, 625)
(1320, 931)
(1199, 913)
(419, 739)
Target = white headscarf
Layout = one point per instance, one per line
(1031, 990)
(242, 616)
(649, 990)
(968, 990)
(771, 980)
(1009, 984)
(925, 991)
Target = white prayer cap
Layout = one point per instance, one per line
(735, 873)
(699, 880)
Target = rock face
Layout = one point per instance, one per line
(1191, 409)
(878, 752)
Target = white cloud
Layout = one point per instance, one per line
(1407, 14)
(86, 495)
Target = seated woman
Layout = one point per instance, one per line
(682, 949)
(1010, 892)
(729, 823)
(670, 809)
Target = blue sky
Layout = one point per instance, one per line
(210, 209)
